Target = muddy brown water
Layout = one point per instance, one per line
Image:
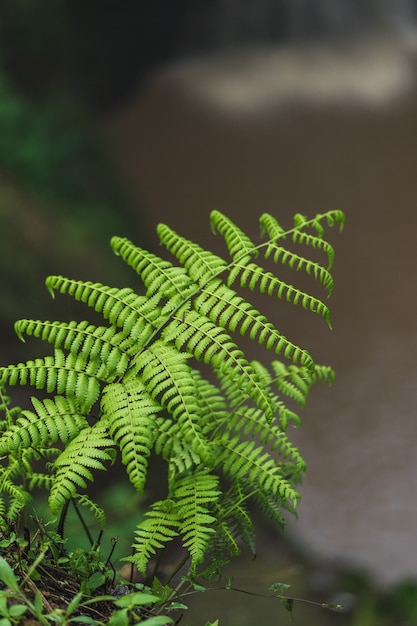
(182, 157)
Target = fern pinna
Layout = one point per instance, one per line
(139, 384)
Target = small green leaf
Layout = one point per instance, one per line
(16, 610)
(159, 620)
(7, 576)
(96, 580)
(133, 600)
(178, 605)
(289, 604)
(74, 603)
(119, 618)
(162, 591)
(37, 603)
(279, 588)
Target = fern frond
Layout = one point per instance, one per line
(52, 420)
(254, 277)
(281, 254)
(213, 405)
(193, 495)
(166, 376)
(250, 422)
(158, 528)
(212, 345)
(241, 248)
(223, 439)
(323, 374)
(248, 462)
(272, 507)
(159, 276)
(296, 382)
(40, 480)
(94, 509)
(183, 458)
(201, 265)
(131, 414)
(235, 524)
(11, 413)
(241, 521)
(222, 544)
(101, 343)
(224, 307)
(89, 450)
(300, 236)
(13, 496)
(170, 445)
(136, 315)
(70, 375)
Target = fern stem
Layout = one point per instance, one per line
(62, 519)
(83, 523)
(176, 570)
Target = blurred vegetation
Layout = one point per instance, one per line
(60, 200)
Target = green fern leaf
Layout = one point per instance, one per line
(131, 414)
(88, 451)
(147, 368)
(241, 248)
(11, 413)
(53, 419)
(158, 528)
(101, 343)
(170, 445)
(159, 276)
(167, 378)
(296, 382)
(281, 254)
(136, 315)
(247, 461)
(201, 265)
(60, 374)
(209, 343)
(213, 405)
(225, 308)
(13, 497)
(250, 422)
(272, 507)
(254, 277)
(222, 544)
(96, 510)
(300, 236)
(193, 494)
(233, 526)
(292, 381)
(323, 374)
(39, 480)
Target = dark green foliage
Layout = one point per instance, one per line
(58, 188)
(141, 383)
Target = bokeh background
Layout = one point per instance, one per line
(115, 116)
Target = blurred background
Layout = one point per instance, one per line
(115, 116)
